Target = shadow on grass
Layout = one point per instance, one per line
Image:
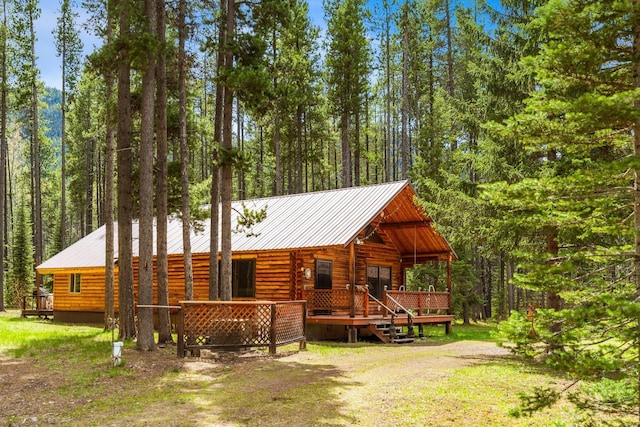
(275, 393)
(267, 392)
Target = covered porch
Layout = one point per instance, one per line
(383, 305)
(37, 304)
(394, 318)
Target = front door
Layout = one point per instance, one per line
(378, 279)
(324, 280)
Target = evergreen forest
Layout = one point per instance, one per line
(517, 122)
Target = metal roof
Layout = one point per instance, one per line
(326, 218)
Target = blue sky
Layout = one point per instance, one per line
(49, 62)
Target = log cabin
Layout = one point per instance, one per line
(345, 251)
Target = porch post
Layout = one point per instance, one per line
(273, 341)
(352, 277)
(180, 331)
(352, 335)
(449, 284)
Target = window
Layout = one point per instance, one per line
(324, 276)
(378, 278)
(74, 283)
(243, 278)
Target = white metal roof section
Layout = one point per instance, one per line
(323, 218)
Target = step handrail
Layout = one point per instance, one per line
(392, 329)
(410, 332)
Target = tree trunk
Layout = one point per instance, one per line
(145, 226)
(299, 125)
(387, 144)
(88, 187)
(36, 160)
(214, 270)
(488, 287)
(109, 291)
(125, 203)
(162, 269)
(184, 153)
(356, 151)
(242, 185)
(405, 94)
(276, 122)
(227, 171)
(553, 300)
(346, 149)
(450, 84)
(278, 155)
(636, 172)
(3, 150)
(63, 154)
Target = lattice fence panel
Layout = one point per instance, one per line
(319, 299)
(341, 299)
(418, 300)
(438, 301)
(219, 324)
(197, 320)
(360, 301)
(289, 322)
(212, 325)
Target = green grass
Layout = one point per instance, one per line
(430, 382)
(460, 332)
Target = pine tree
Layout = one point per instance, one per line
(162, 274)
(3, 149)
(348, 59)
(126, 319)
(21, 271)
(148, 40)
(69, 48)
(581, 125)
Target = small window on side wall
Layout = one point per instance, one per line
(75, 280)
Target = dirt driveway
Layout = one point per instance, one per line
(361, 384)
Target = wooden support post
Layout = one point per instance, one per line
(180, 332)
(272, 331)
(448, 328)
(449, 284)
(38, 280)
(420, 330)
(366, 302)
(352, 335)
(304, 319)
(352, 277)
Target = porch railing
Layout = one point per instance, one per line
(338, 301)
(421, 302)
(30, 303)
(220, 325)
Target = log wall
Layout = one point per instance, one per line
(279, 275)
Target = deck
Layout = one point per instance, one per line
(357, 310)
(30, 306)
(360, 321)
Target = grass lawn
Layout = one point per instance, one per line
(55, 374)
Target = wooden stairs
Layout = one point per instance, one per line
(388, 333)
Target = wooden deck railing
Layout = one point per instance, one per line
(30, 306)
(422, 302)
(338, 301)
(219, 325)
